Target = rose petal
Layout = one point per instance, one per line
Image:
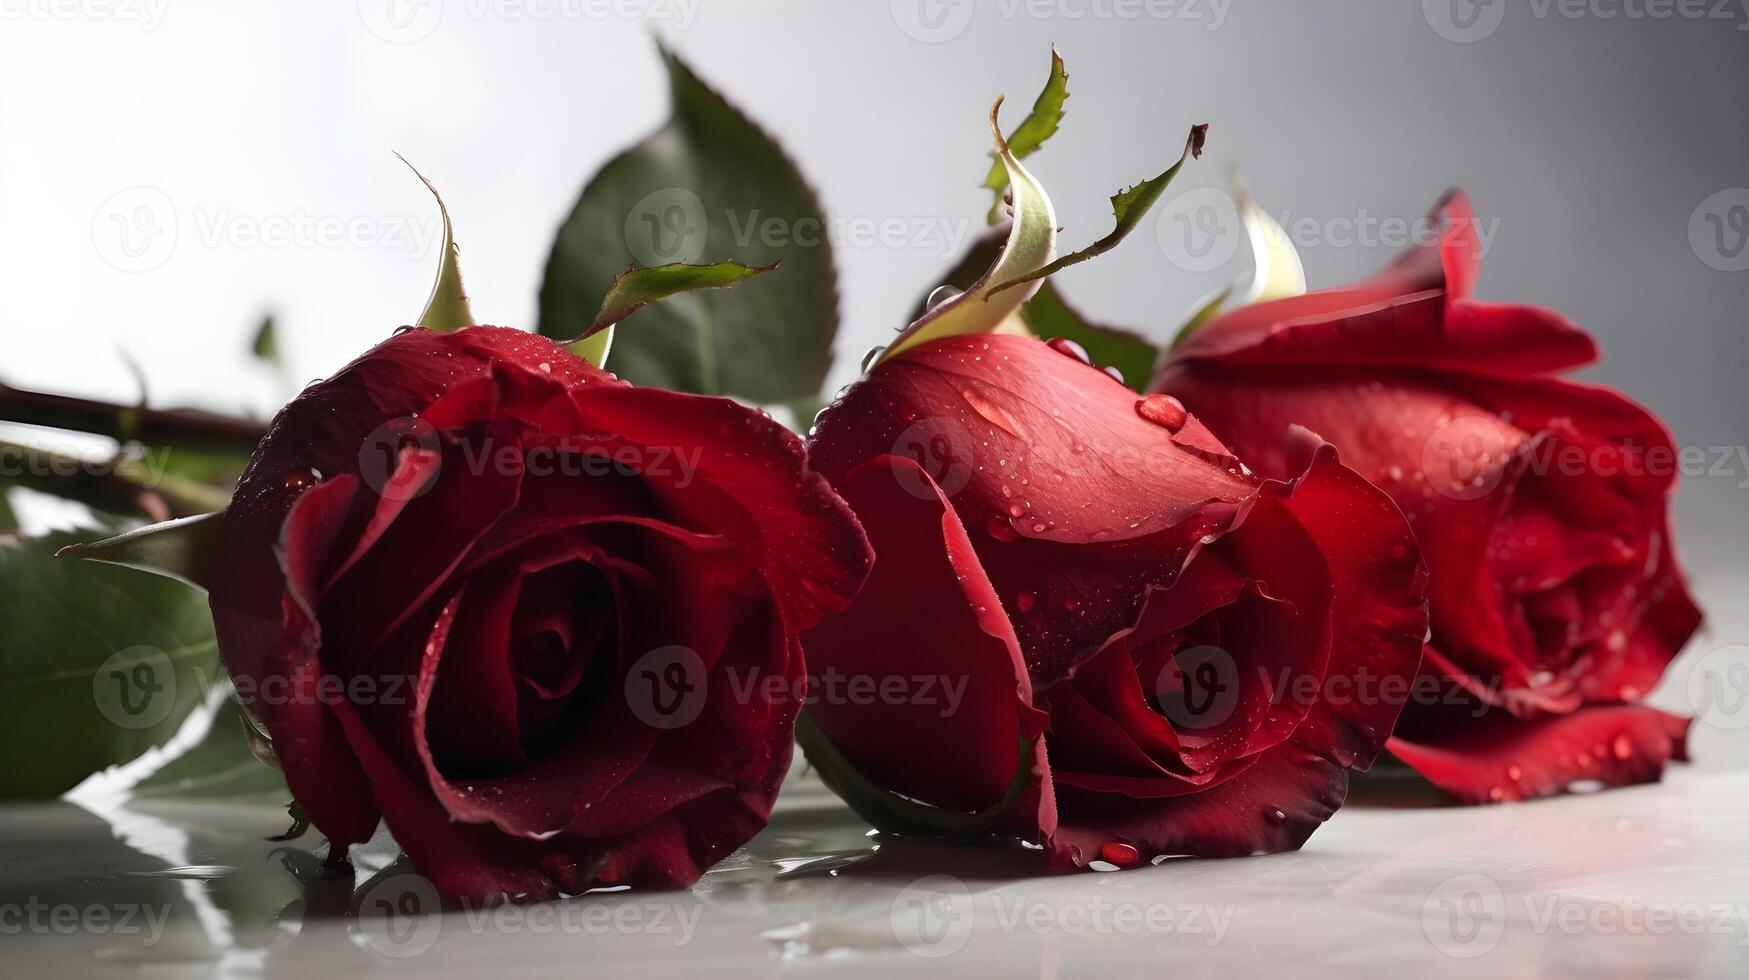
(1379, 612)
(1273, 805)
(1501, 757)
(1415, 314)
(723, 467)
(1075, 502)
(927, 610)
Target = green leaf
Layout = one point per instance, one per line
(184, 549)
(637, 287)
(889, 811)
(447, 308)
(98, 665)
(265, 347)
(1031, 243)
(708, 185)
(219, 766)
(1039, 125)
(1128, 207)
(1048, 315)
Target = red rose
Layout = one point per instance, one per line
(480, 588)
(1155, 652)
(1541, 506)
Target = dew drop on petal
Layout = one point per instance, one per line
(940, 295)
(1069, 348)
(1114, 374)
(1121, 854)
(1001, 530)
(299, 479)
(1623, 747)
(1162, 410)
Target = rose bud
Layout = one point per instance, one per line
(1088, 625)
(1541, 506)
(491, 594)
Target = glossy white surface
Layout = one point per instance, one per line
(1640, 882)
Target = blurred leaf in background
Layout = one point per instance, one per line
(219, 766)
(98, 664)
(708, 186)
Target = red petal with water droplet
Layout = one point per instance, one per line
(1611, 745)
(1103, 502)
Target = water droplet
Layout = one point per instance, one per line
(1121, 854)
(990, 411)
(545, 367)
(1514, 773)
(1025, 601)
(1114, 374)
(1275, 816)
(298, 479)
(1016, 510)
(1162, 410)
(1496, 793)
(873, 355)
(1623, 747)
(1001, 530)
(1069, 348)
(401, 330)
(940, 295)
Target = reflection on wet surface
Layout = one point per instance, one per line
(1644, 881)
